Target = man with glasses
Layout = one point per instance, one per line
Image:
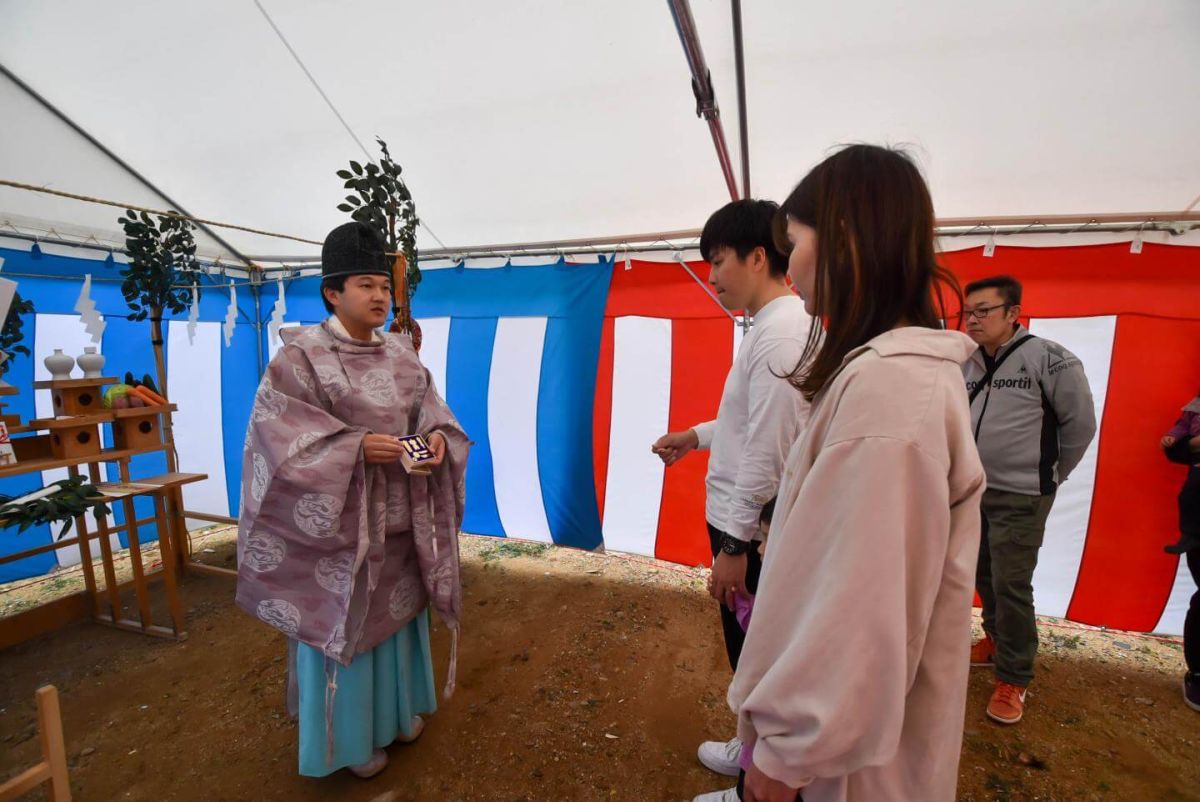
(1033, 418)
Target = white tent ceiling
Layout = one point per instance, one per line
(544, 120)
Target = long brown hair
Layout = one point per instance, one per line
(876, 266)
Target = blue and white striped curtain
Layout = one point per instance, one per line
(513, 350)
(213, 385)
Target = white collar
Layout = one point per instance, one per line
(339, 329)
(774, 305)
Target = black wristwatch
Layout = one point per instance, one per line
(732, 546)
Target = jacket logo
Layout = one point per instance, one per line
(1022, 383)
(1016, 383)
(1059, 359)
(1057, 354)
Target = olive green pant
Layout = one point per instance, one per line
(1013, 526)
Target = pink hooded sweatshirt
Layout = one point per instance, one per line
(853, 680)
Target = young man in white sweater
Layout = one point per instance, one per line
(760, 416)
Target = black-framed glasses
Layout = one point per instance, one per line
(981, 312)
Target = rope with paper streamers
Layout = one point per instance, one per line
(93, 321)
(231, 315)
(193, 318)
(4, 182)
(277, 314)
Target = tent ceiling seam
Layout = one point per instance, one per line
(27, 89)
(328, 102)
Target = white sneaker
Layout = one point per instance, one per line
(418, 727)
(375, 764)
(719, 796)
(721, 756)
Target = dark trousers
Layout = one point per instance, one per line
(1191, 624)
(1189, 525)
(741, 788)
(734, 636)
(1013, 526)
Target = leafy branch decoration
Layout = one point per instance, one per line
(11, 335)
(162, 257)
(382, 200)
(71, 498)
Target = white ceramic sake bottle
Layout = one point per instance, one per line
(59, 365)
(91, 363)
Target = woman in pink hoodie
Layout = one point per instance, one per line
(853, 681)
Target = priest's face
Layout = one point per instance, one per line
(364, 302)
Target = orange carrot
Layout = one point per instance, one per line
(152, 399)
(153, 394)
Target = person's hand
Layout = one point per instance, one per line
(673, 447)
(728, 577)
(1167, 441)
(380, 449)
(761, 788)
(437, 444)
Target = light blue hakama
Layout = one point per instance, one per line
(376, 698)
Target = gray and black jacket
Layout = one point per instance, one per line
(1035, 419)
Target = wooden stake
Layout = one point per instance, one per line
(135, 553)
(53, 748)
(85, 550)
(160, 367)
(167, 550)
(53, 768)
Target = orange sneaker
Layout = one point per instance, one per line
(983, 652)
(1008, 703)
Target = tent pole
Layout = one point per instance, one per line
(1172, 222)
(743, 128)
(97, 246)
(256, 290)
(50, 107)
(706, 99)
(1175, 222)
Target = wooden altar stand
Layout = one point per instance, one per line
(73, 441)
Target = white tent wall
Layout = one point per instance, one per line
(37, 147)
(497, 113)
(1012, 108)
(543, 121)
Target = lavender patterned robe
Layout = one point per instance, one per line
(332, 551)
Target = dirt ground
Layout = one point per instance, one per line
(581, 677)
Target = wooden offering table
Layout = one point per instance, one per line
(171, 544)
(73, 441)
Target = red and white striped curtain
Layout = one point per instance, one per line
(1133, 319)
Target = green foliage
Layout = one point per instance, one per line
(513, 549)
(73, 498)
(381, 200)
(162, 264)
(11, 334)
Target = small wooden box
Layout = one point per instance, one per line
(76, 396)
(73, 442)
(137, 428)
(72, 437)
